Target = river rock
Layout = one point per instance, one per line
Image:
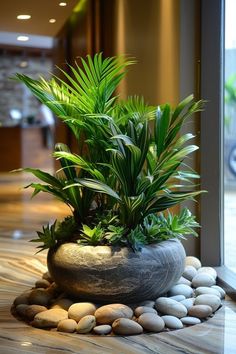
(49, 318)
(193, 261)
(208, 270)
(172, 322)
(188, 302)
(151, 322)
(178, 297)
(108, 313)
(32, 310)
(86, 324)
(81, 309)
(54, 290)
(102, 329)
(200, 311)
(181, 289)
(22, 299)
(144, 309)
(63, 303)
(221, 290)
(21, 309)
(203, 279)
(170, 307)
(183, 280)
(206, 290)
(207, 299)
(47, 277)
(42, 283)
(149, 303)
(40, 297)
(189, 272)
(125, 326)
(190, 320)
(67, 326)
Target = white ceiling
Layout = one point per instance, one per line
(40, 10)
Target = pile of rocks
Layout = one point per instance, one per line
(192, 300)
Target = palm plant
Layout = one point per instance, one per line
(130, 165)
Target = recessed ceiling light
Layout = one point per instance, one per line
(22, 38)
(62, 4)
(23, 17)
(52, 20)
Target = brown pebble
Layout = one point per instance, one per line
(68, 326)
(32, 310)
(126, 326)
(81, 309)
(47, 277)
(49, 318)
(39, 297)
(108, 313)
(86, 324)
(42, 283)
(62, 304)
(21, 308)
(22, 299)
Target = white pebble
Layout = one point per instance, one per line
(181, 289)
(188, 302)
(184, 281)
(221, 290)
(178, 297)
(206, 290)
(189, 272)
(193, 261)
(190, 320)
(170, 307)
(203, 279)
(208, 270)
(206, 299)
(172, 322)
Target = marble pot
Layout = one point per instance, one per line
(107, 274)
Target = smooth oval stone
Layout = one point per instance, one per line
(22, 299)
(49, 318)
(178, 297)
(193, 261)
(206, 290)
(47, 276)
(151, 322)
(203, 279)
(21, 309)
(42, 283)
(200, 311)
(63, 303)
(68, 326)
(144, 309)
(108, 313)
(126, 326)
(208, 270)
(170, 307)
(188, 302)
(206, 299)
(86, 324)
(181, 289)
(189, 272)
(102, 329)
(221, 290)
(172, 322)
(183, 280)
(149, 303)
(81, 309)
(190, 320)
(32, 310)
(39, 297)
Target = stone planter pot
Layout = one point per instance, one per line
(106, 274)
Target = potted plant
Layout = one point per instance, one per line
(121, 242)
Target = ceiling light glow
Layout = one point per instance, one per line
(22, 38)
(52, 20)
(62, 4)
(23, 17)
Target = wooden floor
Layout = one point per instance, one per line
(20, 268)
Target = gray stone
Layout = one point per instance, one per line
(200, 311)
(108, 313)
(170, 307)
(188, 302)
(149, 303)
(112, 274)
(193, 261)
(207, 299)
(183, 280)
(190, 320)
(144, 309)
(221, 290)
(102, 329)
(86, 324)
(178, 297)
(206, 290)
(181, 289)
(172, 322)
(49, 318)
(208, 270)
(189, 272)
(126, 326)
(67, 326)
(81, 309)
(151, 322)
(203, 279)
